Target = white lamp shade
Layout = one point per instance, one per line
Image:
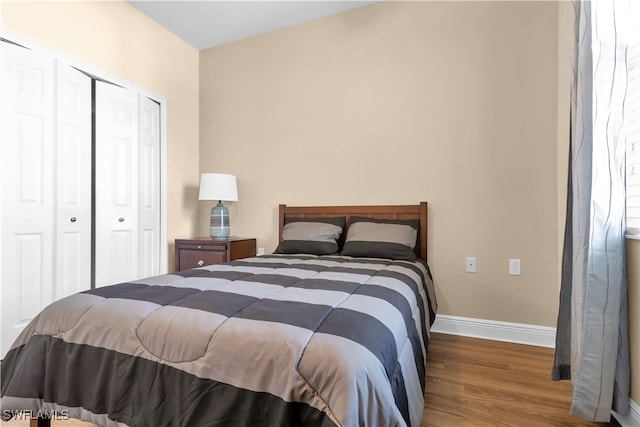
(218, 186)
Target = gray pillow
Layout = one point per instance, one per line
(381, 238)
(316, 236)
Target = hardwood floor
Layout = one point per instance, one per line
(476, 382)
(473, 382)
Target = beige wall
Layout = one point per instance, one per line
(118, 39)
(449, 102)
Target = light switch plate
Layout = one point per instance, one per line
(471, 265)
(514, 267)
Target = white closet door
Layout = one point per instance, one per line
(28, 199)
(116, 186)
(46, 181)
(149, 187)
(73, 223)
(46, 215)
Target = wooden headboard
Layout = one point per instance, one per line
(418, 212)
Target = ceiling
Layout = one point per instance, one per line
(204, 24)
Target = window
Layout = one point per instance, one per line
(632, 128)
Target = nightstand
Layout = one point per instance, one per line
(193, 253)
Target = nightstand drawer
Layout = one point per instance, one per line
(194, 253)
(193, 258)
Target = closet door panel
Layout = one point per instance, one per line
(116, 186)
(73, 224)
(26, 164)
(32, 267)
(149, 187)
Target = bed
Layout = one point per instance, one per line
(334, 335)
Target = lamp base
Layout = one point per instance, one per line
(219, 222)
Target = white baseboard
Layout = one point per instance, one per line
(541, 336)
(632, 419)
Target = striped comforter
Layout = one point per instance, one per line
(278, 340)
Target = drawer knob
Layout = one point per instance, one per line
(73, 219)
(120, 219)
(200, 263)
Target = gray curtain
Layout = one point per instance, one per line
(592, 339)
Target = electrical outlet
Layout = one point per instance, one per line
(260, 251)
(471, 265)
(514, 267)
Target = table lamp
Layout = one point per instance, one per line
(218, 186)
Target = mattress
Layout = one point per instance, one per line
(277, 340)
